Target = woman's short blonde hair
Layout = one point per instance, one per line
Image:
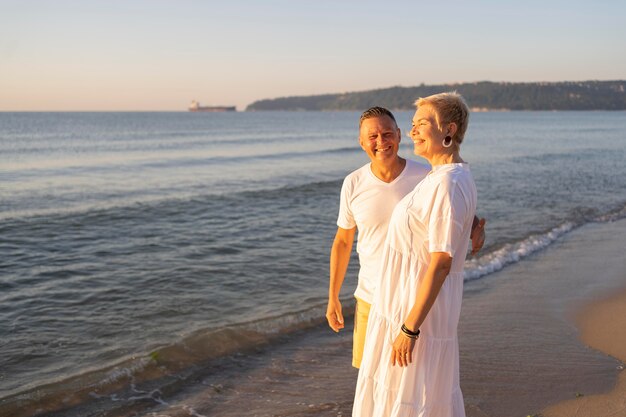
(449, 107)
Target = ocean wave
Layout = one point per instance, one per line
(127, 205)
(612, 216)
(135, 161)
(164, 367)
(514, 252)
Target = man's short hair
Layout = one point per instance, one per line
(376, 112)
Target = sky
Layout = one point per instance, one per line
(152, 55)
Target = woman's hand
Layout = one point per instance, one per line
(402, 352)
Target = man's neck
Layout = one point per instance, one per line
(388, 171)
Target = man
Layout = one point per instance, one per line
(368, 197)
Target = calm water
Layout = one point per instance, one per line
(138, 245)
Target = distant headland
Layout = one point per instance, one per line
(481, 96)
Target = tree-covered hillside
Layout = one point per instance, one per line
(582, 95)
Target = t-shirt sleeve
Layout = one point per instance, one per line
(345, 220)
(447, 218)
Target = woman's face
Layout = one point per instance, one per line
(426, 136)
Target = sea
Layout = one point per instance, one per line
(145, 254)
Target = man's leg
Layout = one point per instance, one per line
(360, 326)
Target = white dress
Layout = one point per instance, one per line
(435, 217)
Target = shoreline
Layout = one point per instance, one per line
(521, 353)
(529, 355)
(602, 326)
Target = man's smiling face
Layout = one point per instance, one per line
(380, 138)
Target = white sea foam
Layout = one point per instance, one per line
(192, 412)
(513, 252)
(129, 372)
(612, 216)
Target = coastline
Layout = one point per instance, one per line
(602, 325)
(528, 355)
(520, 351)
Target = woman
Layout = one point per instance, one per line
(411, 361)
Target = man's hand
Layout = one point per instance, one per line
(334, 315)
(478, 236)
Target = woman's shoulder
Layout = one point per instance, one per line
(452, 179)
(450, 172)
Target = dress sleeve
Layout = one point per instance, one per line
(446, 220)
(345, 220)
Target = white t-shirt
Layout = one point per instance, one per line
(367, 203)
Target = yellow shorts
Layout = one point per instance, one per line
(360, 327)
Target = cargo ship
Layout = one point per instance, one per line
(195, 106)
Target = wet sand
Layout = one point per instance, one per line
(521, 350)
(603, 327)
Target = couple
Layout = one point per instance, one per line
(414, 224)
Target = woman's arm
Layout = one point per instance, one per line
(438, 270)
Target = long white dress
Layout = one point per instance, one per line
(435, 217)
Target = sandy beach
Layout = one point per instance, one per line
(522, 351)
(602, 325)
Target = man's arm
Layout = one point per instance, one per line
(478, 234)
(339, 259)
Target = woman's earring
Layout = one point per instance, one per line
(447, 142)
